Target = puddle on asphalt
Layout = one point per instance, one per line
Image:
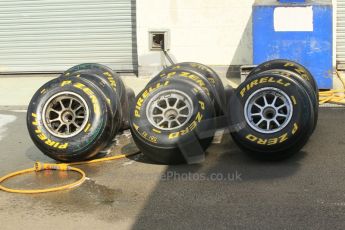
(87, 198)
(84, 198)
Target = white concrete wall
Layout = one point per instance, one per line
(213, 32)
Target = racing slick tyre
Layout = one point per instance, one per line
(274, 116)
(126, 109)
(212, 77)
(113, 79)
(296, 71)
(287, 65)
(109, 96)
(69, 119)
(229, 93)
(107, 73)
(195, 77)
(170, 113)
(208, 74)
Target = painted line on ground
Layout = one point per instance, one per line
(4, 121)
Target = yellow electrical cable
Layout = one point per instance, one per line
(60, 167)
(336, 96)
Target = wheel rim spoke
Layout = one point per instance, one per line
(281, 115)
(281, 106)
(268, 125)
(55, 111)
(68, 126)
(76, 125)
(256, 114)
(182, 108)
(262, 120)
(161, 122)
(175, 104)
(159, 107)
(79, 107)
(274, 100)
(259, 106)
(70, 104)
(59, 127)
(62, 105)
(265, 100)
(277, 123)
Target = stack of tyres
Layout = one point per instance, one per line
(275, 110)
(176, 111)
(118, 91)
(77, 115)
(212, 80)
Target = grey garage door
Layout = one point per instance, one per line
(52, 35)
(341, 34)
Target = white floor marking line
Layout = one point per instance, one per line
(4, 121)
(19, 110)
(128, 163)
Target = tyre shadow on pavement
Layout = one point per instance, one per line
(203, 196)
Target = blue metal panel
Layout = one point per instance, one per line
(311, 49)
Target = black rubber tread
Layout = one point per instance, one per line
(85, 144)
(283, 143)
(213, 78)
(287, 65)
(163, 145)
(113, 78)
(190, 74)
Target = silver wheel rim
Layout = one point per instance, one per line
(65, 114)
(268, 110)
(169, 110)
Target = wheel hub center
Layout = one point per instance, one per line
(67, 116)
(269, 113)
(171, 114)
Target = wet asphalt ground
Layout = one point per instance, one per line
(228, 191)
